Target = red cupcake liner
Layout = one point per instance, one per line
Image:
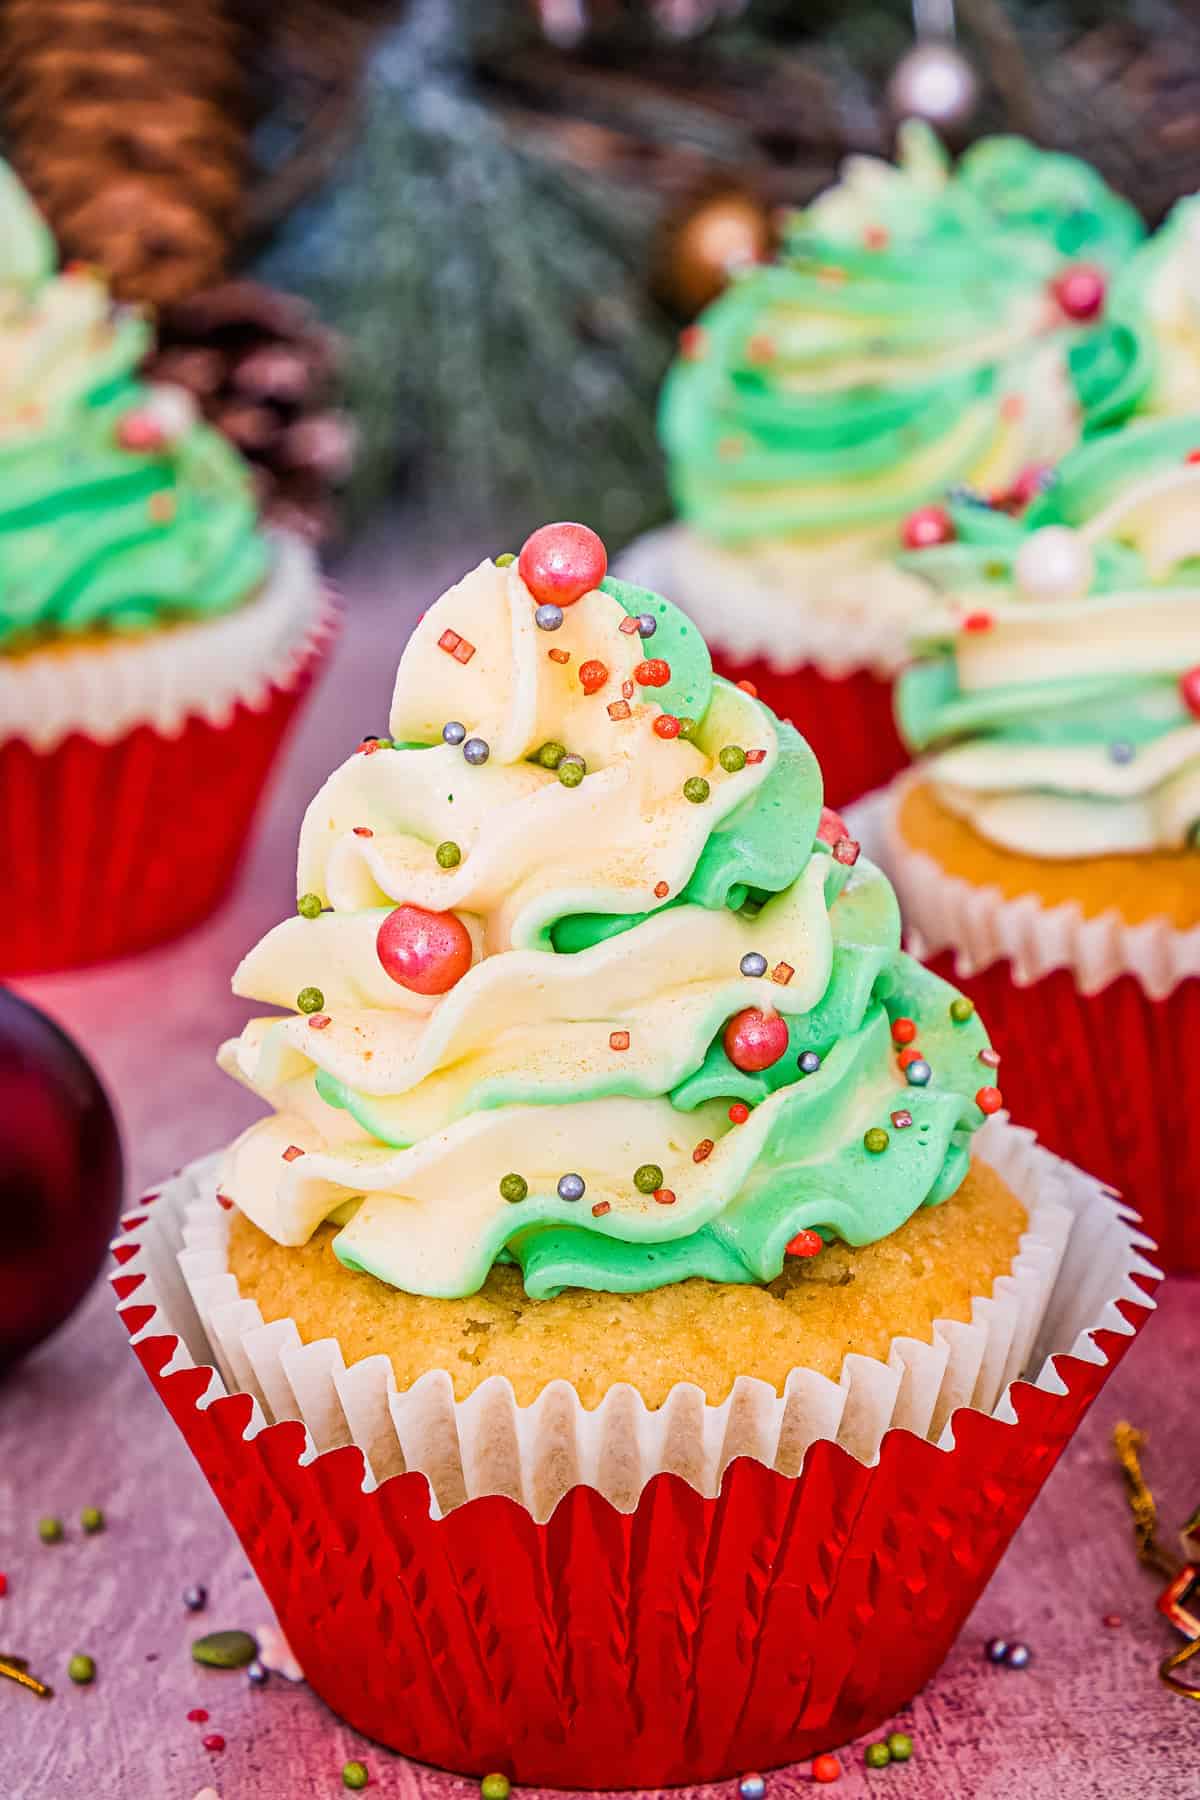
(117, 846)
(847, 720)
(689, 1639)
(1109, 1080)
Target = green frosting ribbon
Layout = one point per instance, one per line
(94, 535)
(863, 373)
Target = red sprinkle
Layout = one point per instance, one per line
(782, 973)
(805, 1243)
(664, 1196)
(661, 890)
(1080, 291)
(618, 709)
(198, 1716)
(832, 828)
(903, 1031)
(875, 237)
(368, 747)
(693, 342)
(559, 656)
(1193, 456)
(846, 850)
(318, 1021)
(628, 626)
(363, 831)
(990, 1058)
(654, 672)
(666, 726)
(618, 1040)
(449, 642)
(3, 1586)
(760, 349)
(627, 690)
(1111, 1620)
(703, 1150)
(756, 756)
(907, 1057)
(748, 687)
(225, 1201)
(292, 1152)
(978, 621)
(161, 508)
(463, 651)
(1189, 687)
(927, 527)
(989, 1099)
(592, 676)
(214, 1741)
(739, 1112)
(902, 1120)
(601, 1207)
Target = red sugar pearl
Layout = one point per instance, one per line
(666, 726)
(903, 1031)
(198, 1716)
(703, 1150)
(3, 1586)
(927, 527)
(748, 687)
(1189, 687)
(654, 672)
(755, 1039)
(826, 1768)
(978, 621)
(214, 1741)
(806, 1243)
(561, 563)
(911, 1055)
(664, 1196)
(989, 1099)
(426, 952)
(1080, 291)
(739, 1112)
(592, 676)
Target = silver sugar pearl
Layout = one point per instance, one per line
(453, 732)
(1121, 751)
(1018, 1656)
(195, 1598)
(753, 963)
(752, 1787)
(476, 751)
(548, 617)
(571, 1187)
(257, 1673)
(808, 1062)
(647, 625)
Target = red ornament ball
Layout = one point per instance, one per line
(989, 1099)
(561, 563)
(666, 726)
(426, 952)
(805, 1243)
(654, 672)
(739, 1112)
(904, 1031)
(907, 1057)
(1189, 687)
(592, 676)
(928, 526)
(1028, 485)
(1080, 291)
(826, 1768)
(755, 1039)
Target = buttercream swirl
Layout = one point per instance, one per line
(119, 508)
(1059, 691)
(608, 924)
(906, 340)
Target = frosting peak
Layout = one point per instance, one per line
(661, 1045)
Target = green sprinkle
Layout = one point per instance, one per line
(695, 789)
(648, 1179)
(82, 1669)
(687, 729)
(225, 1650)
(50, 1531)
(495, 1787)
(732, 758)
(92, 1519)
(877, 1756)
(513, 1188)
(571, 771)
(309, 906)
(448, 855)
(310, 1000)
(551, 754)
(354, 1775)
(504, 559)
(899, 1746)
(876, 1140)
(961, 1009)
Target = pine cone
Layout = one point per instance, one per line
(128, 121)
(265, 372)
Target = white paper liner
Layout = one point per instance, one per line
(1076, 1260)
(944, 912)
(164, 677)
(779, 603)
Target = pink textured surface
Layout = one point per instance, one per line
(1087, 1720)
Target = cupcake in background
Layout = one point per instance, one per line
(154, 641)
(626, 1189)
(911, 336)
(1047, 848)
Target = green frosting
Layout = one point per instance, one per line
(931, 278)
(93, 535)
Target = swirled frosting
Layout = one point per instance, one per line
(119, 509)
(906, 340)
(609, 924)
(1146, 359)
(1059, 693)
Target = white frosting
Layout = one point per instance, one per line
(167, 675)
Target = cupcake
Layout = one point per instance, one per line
(154, 642)
(621, 1249)
(1047, 848)
(912, 336)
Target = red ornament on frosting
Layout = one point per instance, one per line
(426, 952)
(1080, 291)
(832, 828)
(561, 563)
(140, 431)
(755, 1040)
(1189, 687)
(928, 526)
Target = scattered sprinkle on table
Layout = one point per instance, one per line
(495, 1787)
(82, 1669)
(354, 1775)
(50, 1530)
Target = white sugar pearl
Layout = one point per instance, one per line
(1054, 564)
(171, 407)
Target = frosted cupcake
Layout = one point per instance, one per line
(611, 1139)
(154, 642)
(912, 336)
(1050, 836)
